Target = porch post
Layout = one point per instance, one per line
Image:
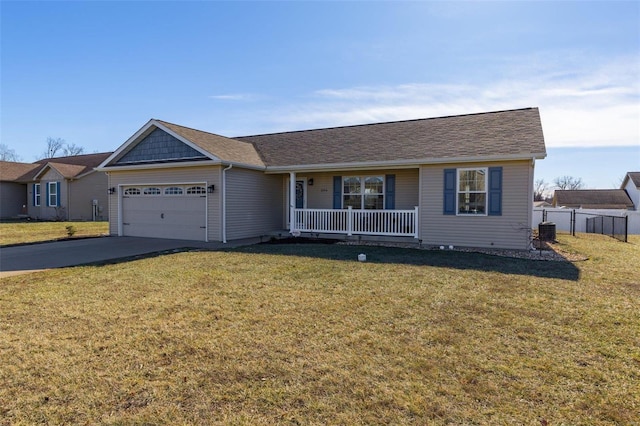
(292, 201)
(415, 223)
(349, 221)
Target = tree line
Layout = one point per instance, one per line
(55, 147)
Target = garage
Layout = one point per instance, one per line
(174, 211)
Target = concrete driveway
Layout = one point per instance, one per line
(36, 257)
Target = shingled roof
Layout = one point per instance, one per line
(226, 149)
(69, 167)
(11, 171)
(593, 199)
(491, 135)
(634, 177)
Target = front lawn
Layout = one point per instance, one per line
(306, 334)
(30, 232)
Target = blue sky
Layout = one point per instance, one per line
(93, 72)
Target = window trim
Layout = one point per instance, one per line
(458, 192)
(173, 191)
(150, 191)
(196, 190)
(52, 191)
(37, 195)
(362, 181)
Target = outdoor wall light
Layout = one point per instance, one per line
(210, 189)
(112, 190)
(310, 182)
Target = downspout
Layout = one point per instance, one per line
(224, 203)
(292, 201)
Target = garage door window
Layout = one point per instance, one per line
(194, 190)
(173, 190)
(152, 191)
(132, 191)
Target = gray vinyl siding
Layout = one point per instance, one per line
(83, 191)
(510, 230)
(254, 203)
(12, 197)
(52, 213)
(320, 194)
(210, 175)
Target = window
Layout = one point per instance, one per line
(196, 190)
(132, 191)
(36, 194)
(363, 192)
(152, 191)
(173, 190)
(472, 191)
(52, 194)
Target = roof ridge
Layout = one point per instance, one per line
(388, 122)
(199, 130)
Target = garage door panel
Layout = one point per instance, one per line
(159, 216)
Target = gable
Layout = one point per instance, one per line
(159, 146)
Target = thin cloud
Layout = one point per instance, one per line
(233, 97)
(580, 107)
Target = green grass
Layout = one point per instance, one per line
(30, 232)
(305, 334)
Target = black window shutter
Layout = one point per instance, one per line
(337, 192)
(390, 192)
(495, 191)
(449, 197)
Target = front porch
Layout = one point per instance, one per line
(350, 221)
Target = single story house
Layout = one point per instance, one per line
(61, 188)
(592, 199)
(463, 180)
(631, 184)
(13, 191)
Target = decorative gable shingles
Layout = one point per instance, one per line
(160, 146)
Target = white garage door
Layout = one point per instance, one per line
(165, 211)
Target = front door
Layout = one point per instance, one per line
(300, 194)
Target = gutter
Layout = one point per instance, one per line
(413, 163)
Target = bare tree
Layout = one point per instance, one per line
(568, 182)
(59, 146)
(540, 190)
(72, 149)
(8, 154)
(53, 147)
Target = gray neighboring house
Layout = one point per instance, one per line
(61, 188)
(610, 199)
(462, 180)
(631, 184)
(13, 191)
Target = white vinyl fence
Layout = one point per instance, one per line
(562, 217)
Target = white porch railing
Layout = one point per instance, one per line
(360, 222)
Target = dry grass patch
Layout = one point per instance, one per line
(30, 232)
(307, 335)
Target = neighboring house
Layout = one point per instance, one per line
(631, 184)
(13, 192)
(461, 180)
(592, 199)
(541, 204)
(61, 188)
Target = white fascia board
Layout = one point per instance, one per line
(158, 165)
(399, 164)
(177, 164)
(40, 172)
